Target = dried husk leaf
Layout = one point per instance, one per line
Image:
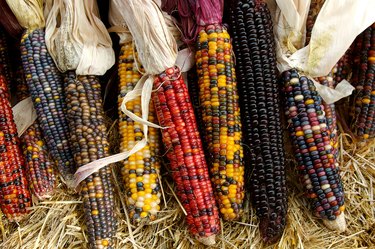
(77, 39)
(156, 46)
(29, 13)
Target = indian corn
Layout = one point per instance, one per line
(185, 153)
(15, 196)
(221, 118)
(46, 89)
(260, 109)
(317, 165)
(140, 171)
(88, 136)
(363, 121)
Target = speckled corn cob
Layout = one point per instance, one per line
(46, 89)
(260, 109)
(14, 193)
(185, 153)
(88, 136)
(221, 118)
(363, 121)
(307, 124)
(39, 165)
(140, 171)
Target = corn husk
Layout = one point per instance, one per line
(76, 37)
(29, 13)
(156, 46)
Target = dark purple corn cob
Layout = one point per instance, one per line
(253, 41)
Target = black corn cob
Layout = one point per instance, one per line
(5, 66)
(46, 89)
(317, 165)
(88, 136)
(260, 110)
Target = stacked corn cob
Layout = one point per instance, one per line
(88, 136)
(258, 88)
(221, 117)
(40, 170)
(317, 165)
(363, 117)
(140, 171)
(185, 153)
(46, 89)
(14, 191)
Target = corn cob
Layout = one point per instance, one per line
(5, 69)
(85, 116)
(221, 118)
(140, 171)
(39, 166)
(260, 108)
(193, 88)
(15, 196)
(363, 121)
(185, 153)
(330, 113)
(318, 168)
(46, 89)
(315, 7)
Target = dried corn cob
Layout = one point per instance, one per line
(259, 98)
(5, 67)
(315, 7)
(46, 89)
(15, 196)
(363, 121)
(193, 88)
(185, 153)
(221, 118)
(140, 171)
(318, 167)
(88, 136)
(39, 167)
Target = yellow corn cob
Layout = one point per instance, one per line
(140, 171)
(221, 116)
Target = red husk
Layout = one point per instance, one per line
(195, 14)
(207, 11)
(9, 21)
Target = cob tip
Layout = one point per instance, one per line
(208, 241)
(339, 224)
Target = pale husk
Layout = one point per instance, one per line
(76, 38)
(57, 223)
(29, 13)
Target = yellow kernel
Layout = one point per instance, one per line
(95, 212)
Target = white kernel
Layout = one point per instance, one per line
(298, 97)
(332, 198)
(139, 204)
(325, 186)
(315, 128)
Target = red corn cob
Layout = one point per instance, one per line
(185, 152)
(15, 196)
